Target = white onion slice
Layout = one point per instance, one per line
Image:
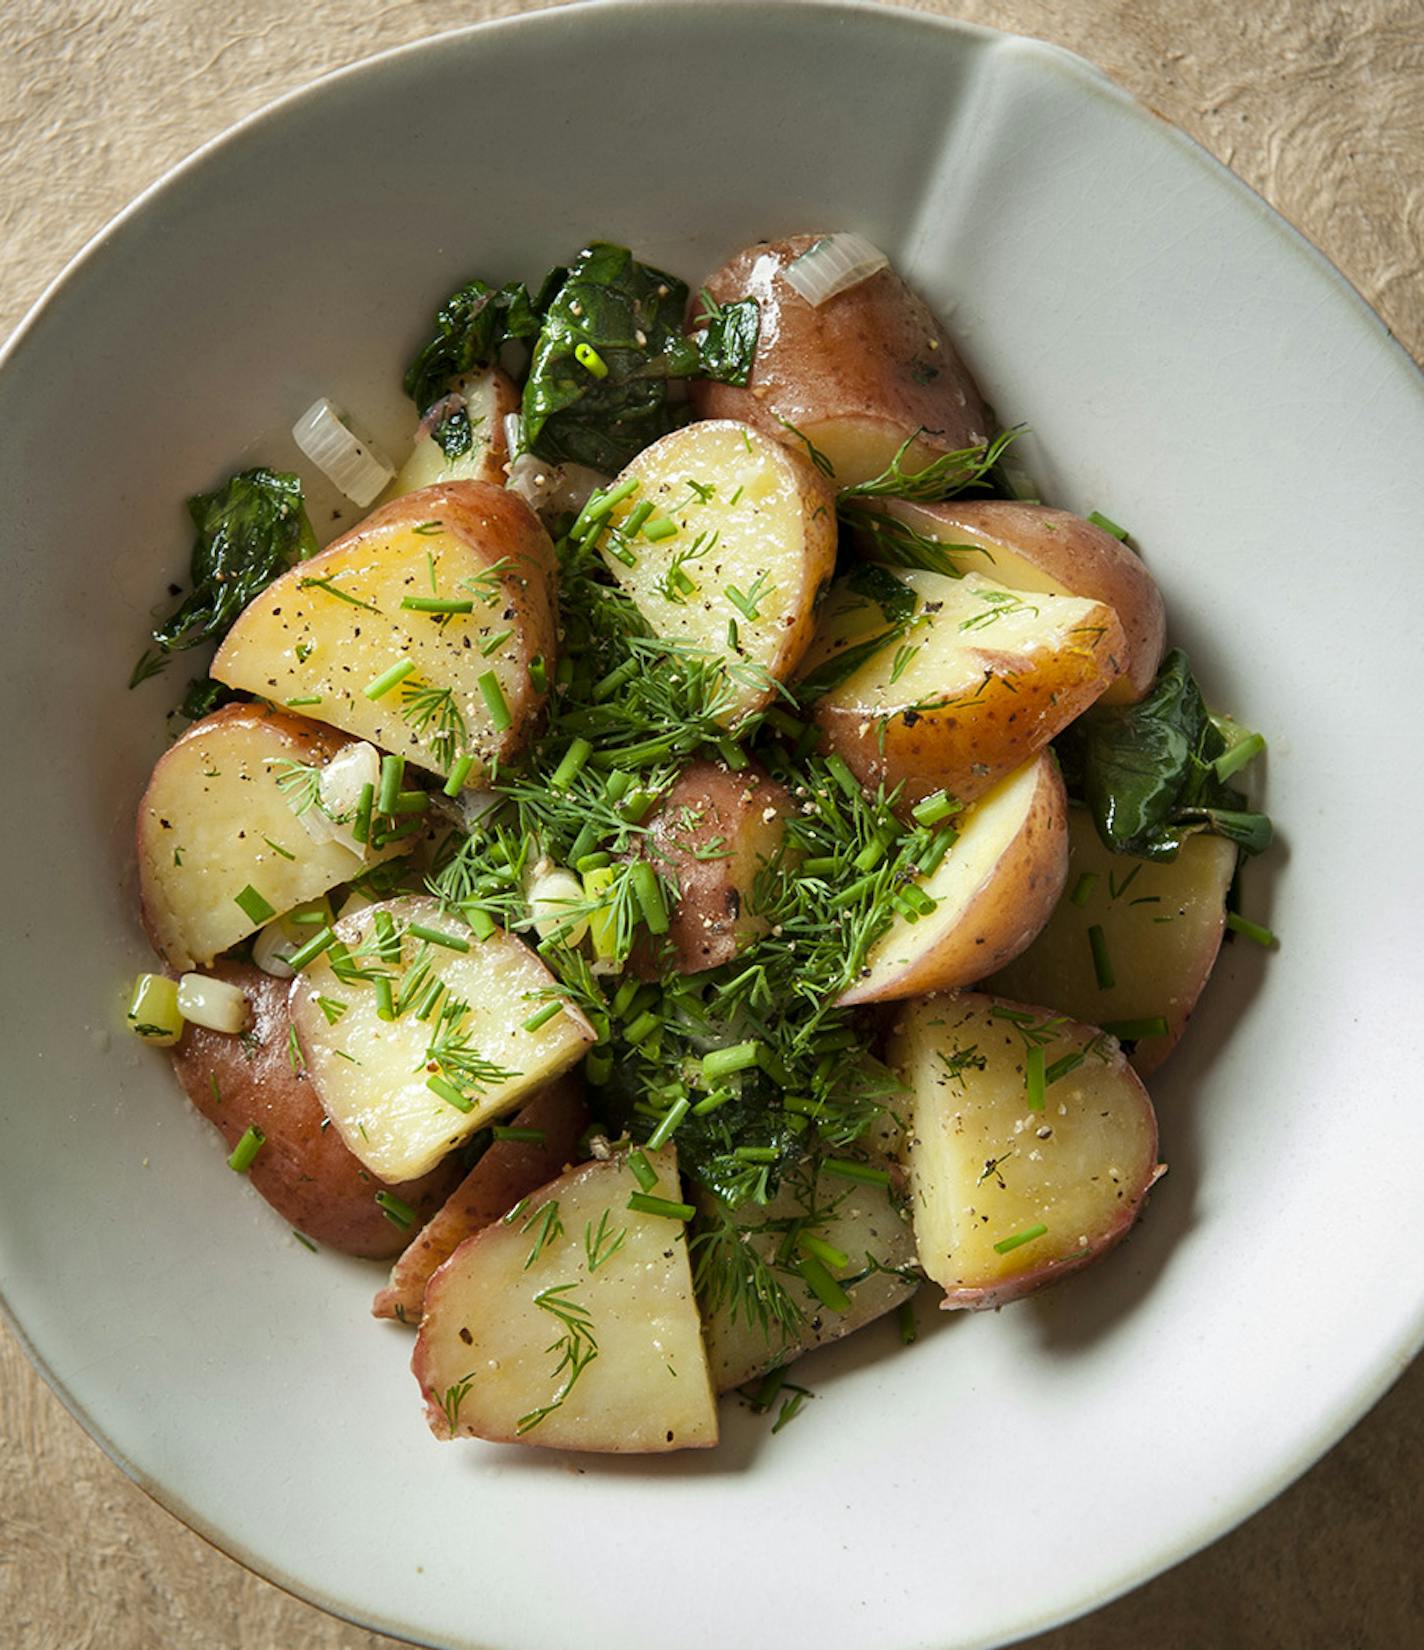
(348, 461)
(552, 898)
(552, 489)
(832, 266)
(215, 1004)
(271, 949)
(513, 432)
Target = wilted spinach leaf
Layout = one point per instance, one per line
(1145, 771)
(471, 327)
(727, 339)
(204, 696)
(249, 531)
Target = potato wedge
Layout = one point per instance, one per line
(993, 892)
(754, 548)
(1032, 547)
(374, 1074)
(572, 1324)
(712, 834)
(334, 625)
(970, 681)
(489, 398)
(1006, 1198)
(1162, 926)
(857, 377)
(508, 1171)
(221, 819)
(864, 1222)
(302, 1169)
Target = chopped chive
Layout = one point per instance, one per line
(534, 1137)
(661, 528)
(649, 893)
(246, 1149)
(482, 924)
(253, 906)
(385, 999)
(836, 767)
(939, 845)
(644, 1204)
(495, 643)
(766, 1394)
(277, 848)
(909, 1328)
(495, 702)
(592, 862)
(671, 1118)
(449, 1093)
(633, 523)
(541, 1016)
(1133, 1031)
(398, 1213)
(1061, 1068)
(432, 994)
(392, 778)
(1098, 519)
(1029, 1233)
(381, 685)
(643, 1171)
(459, 773)
(1250, 930)
(410, 827)
(918, 900)
(934, 810)
(642, 1028)
(601, 504)
(571, 766)
(733, 755)
(617, 787)
(590, 360)
(539, 673)
(825, 866)
(722, 1062)
(598, 1068)
(322, 940)
(608, 685)
(437, 936)
(734, 640)
(820, 1250)
(871, 854)
(435, 604)
(848, 1169)
(388, 945)
(718, 1097)
(410, 802)
(822, 1285)
(361, 825)
(1102, 962)
(1083, 888)
(1035, 1078)
(304, 1240)
(304, 699)
(755, 1154)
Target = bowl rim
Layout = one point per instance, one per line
(1372, 1383)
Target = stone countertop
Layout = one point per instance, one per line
(1320, 107)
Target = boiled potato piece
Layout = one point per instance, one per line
(1032, 547)
(334, 625)
(993, 892)
(374, 1074)
(857, 377)
(302, 1168)
(975, 682)
(754, 547)
(864, 1222)
(1162, 926)
(508, 1171)
(1005, 1198)
(572, 1323)
(221, 821)
(712, 835)
(489, 398)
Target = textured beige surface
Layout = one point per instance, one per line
(1318, 105)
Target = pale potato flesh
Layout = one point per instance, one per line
(371, 1073)
(331, 626)
(215, 821)
(993, 892)
(987, 1170)
(1034, 547)
(980, 681)
(489, 1357)
(857, 375)
(489, 397)
(751, 518)
(1162, 926)
(863, 1221)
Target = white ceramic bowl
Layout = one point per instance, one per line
(1189, 365)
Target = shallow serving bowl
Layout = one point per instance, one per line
(1187, 364)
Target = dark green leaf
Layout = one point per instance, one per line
(249, 531)
(727, 339)
(892, 596)
(204, 696)
(840, 667)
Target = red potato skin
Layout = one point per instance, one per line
(710, 923)
(1086, 561)
(310, 742)
(876, 353)
(508, 1171)
(303, 1170)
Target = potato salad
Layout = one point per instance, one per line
(708, 859)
